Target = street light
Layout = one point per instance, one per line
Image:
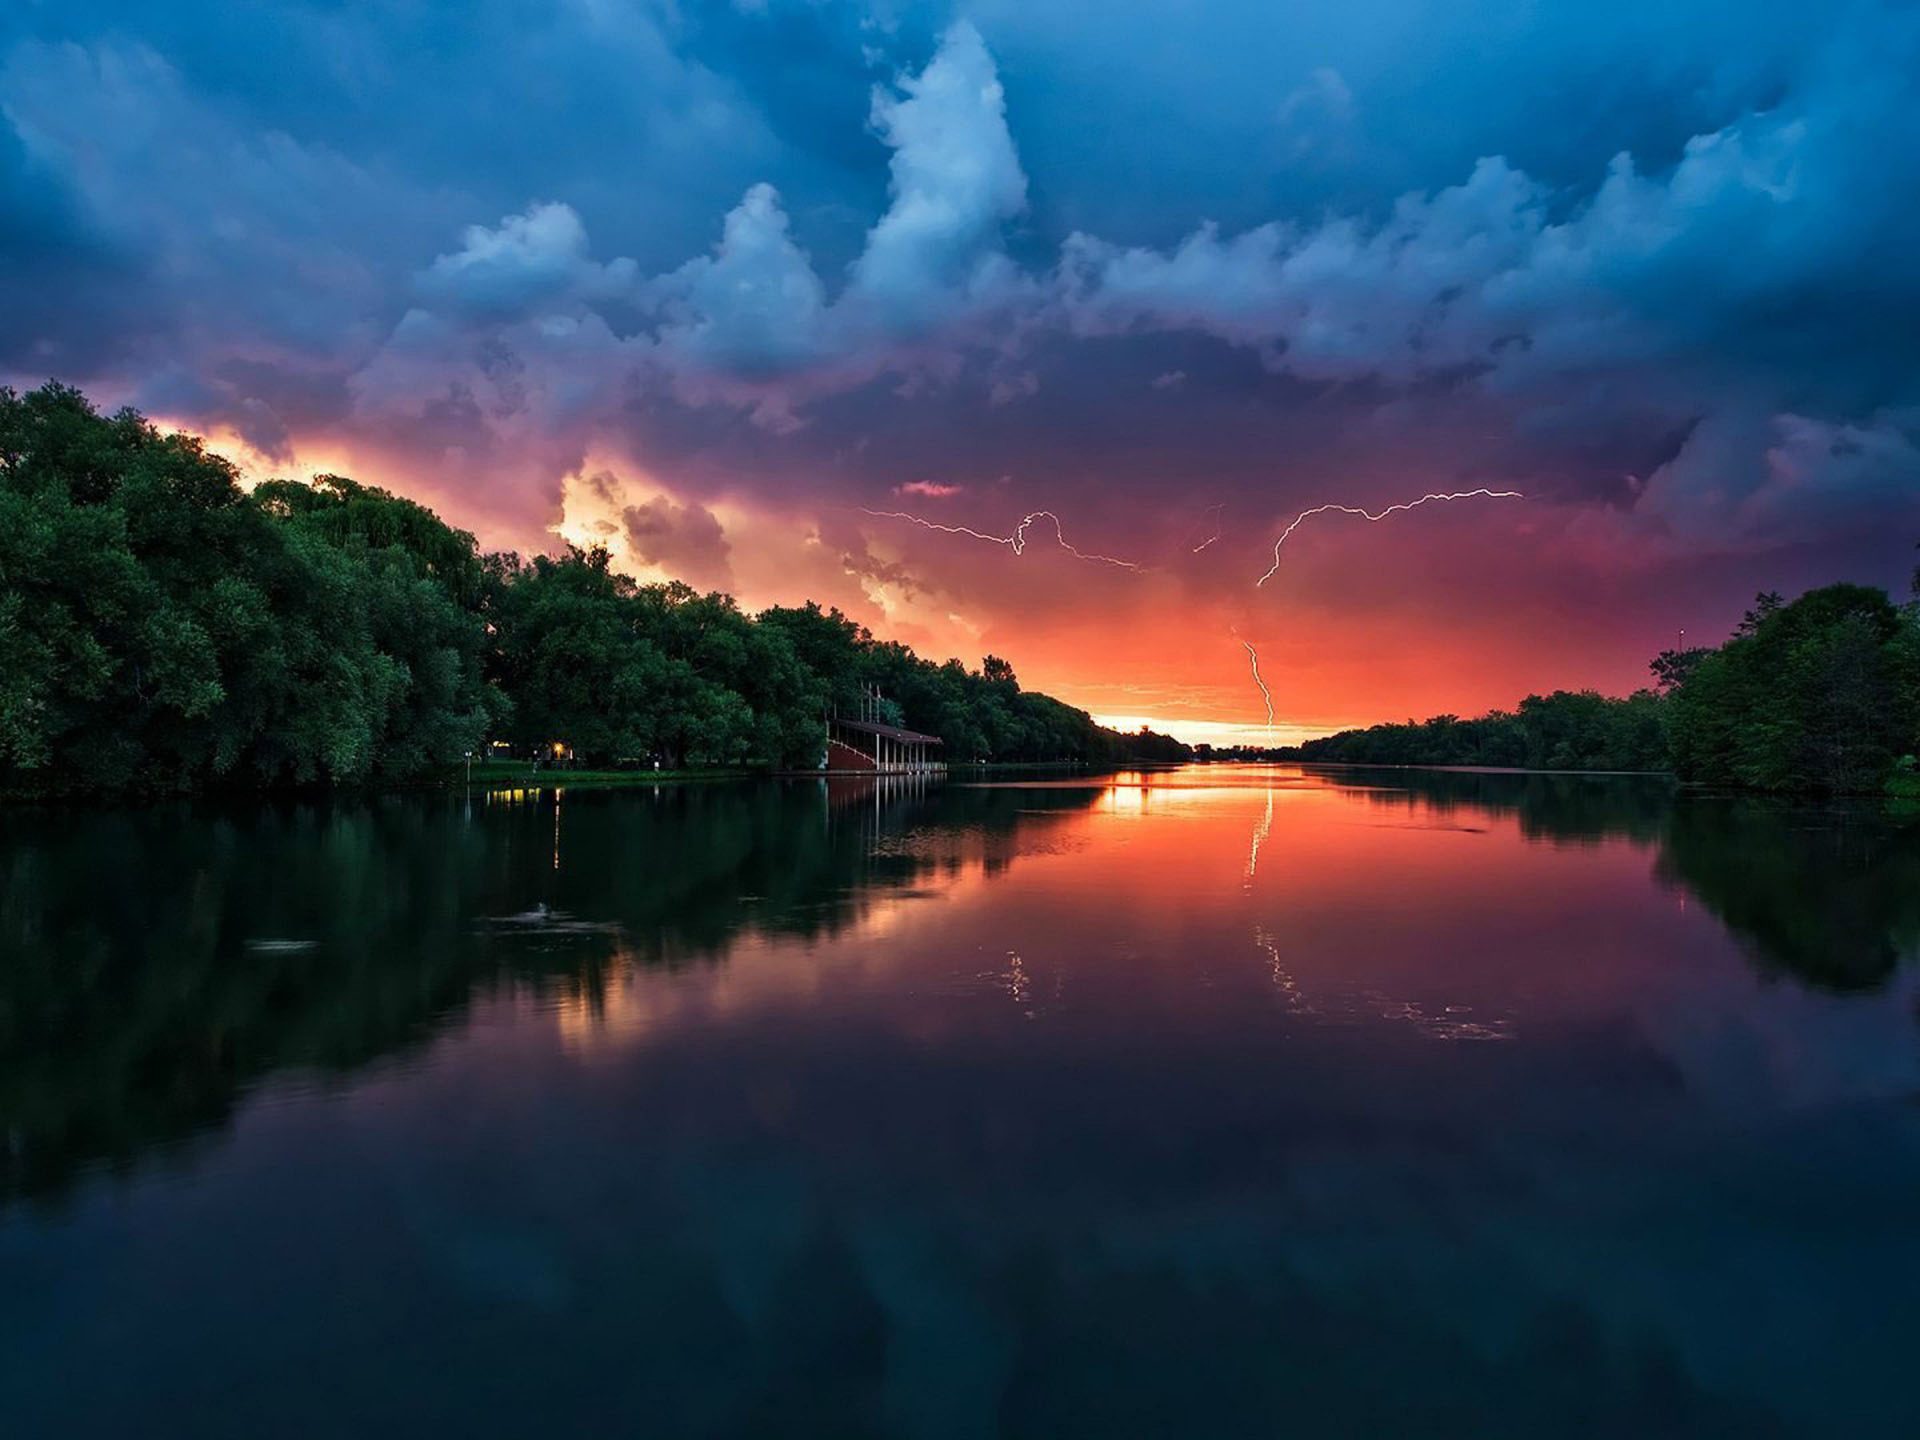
(469, 767)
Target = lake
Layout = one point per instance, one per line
(1210, 1102)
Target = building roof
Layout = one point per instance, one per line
(888, 732)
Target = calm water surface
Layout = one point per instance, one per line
(1205, 1103)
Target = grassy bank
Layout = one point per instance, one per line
(519, 775)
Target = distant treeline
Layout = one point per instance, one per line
(1822, 694)
(163, 629)
(1566, 730)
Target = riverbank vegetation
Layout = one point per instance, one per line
(1820, 695)
(1562, 731)
(162, 629)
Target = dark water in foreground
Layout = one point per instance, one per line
(1199, 1104)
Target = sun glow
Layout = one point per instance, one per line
(253, 465)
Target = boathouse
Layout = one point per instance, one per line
(872, 746)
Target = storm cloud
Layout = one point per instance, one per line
(1651, 264)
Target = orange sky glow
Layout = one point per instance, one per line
(1427, 612)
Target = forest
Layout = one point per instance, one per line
(1567, 730)
(163, 629)
(1820, 695)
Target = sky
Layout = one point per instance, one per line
(713, 283)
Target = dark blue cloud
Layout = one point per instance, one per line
(67, 287)
(1649, 256)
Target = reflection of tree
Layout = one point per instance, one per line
(158, 962)
(1830, 896)
(1561, 808)
(132, 1005)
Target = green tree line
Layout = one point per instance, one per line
(1567, 730)
(164, 629)
(1820, 695)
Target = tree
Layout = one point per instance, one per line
(1671, 667)
(785, 702)
(161, 628)
(355, 516)
(1815, 695)
(569, 657)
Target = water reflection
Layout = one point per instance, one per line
(1197, 1103)
(158, 962)
(1829, 898)
(1825, 893)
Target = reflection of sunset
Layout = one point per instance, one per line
(1341, 905)
(1347, 903)
(761, 973)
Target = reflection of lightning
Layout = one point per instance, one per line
(1213, 510)
(1260, 833)
(1019, 985)
(1450, 1022)
(1305, 515)
(1290, 993)
(1016, 542)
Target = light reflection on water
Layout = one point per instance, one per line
(1211, 1102)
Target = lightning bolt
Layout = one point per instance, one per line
(1016, 542)
(1253, 659)
(1213, 510)
(1306, 515)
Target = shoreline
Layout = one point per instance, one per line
(497, 777)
